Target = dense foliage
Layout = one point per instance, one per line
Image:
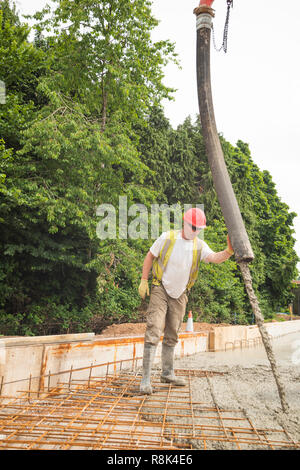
(82, 126)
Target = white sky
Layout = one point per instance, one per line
(256, 85)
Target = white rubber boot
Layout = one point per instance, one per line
(168, 375)
(148, 358)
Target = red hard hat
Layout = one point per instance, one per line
(196, 217)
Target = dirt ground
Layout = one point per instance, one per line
(135, 329)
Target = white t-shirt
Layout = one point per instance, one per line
(177, 272)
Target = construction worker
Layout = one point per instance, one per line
(174, 258)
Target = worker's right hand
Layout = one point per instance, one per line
(144, 288)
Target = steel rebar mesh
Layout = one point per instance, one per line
(107, 412)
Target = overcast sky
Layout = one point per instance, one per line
(256, 85)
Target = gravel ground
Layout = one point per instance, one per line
(248, 386)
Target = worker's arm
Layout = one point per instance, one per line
(220, 256)
(147, 265)
(144, 287)
(217, 258)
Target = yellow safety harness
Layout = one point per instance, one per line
(160, 263)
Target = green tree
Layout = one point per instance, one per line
(183, 167)
(65, 163)
(155, 148)
(105, 55)
(21, 65)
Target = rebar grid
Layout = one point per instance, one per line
(109, 413)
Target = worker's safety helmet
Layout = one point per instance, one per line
(195, 217)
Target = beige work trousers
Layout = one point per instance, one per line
(164, 316)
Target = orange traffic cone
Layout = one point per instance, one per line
(189, 325)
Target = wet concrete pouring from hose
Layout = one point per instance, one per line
(226, 196)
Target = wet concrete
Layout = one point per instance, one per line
(248, 385)
(286, 351)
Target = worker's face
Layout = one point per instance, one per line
(190, 231)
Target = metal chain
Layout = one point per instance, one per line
(225, 34)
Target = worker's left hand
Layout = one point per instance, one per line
(143, 288)
(229, 248)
